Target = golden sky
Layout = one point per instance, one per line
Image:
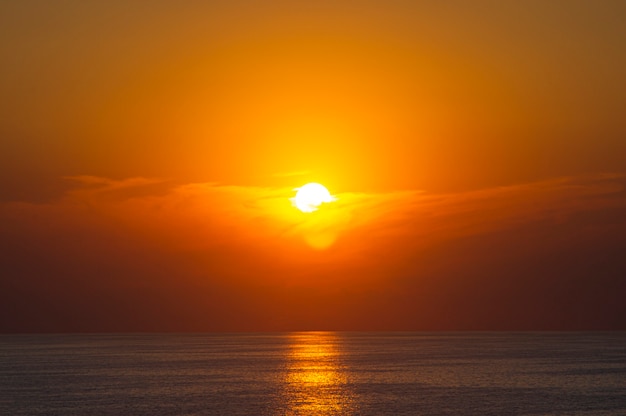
(148, 151)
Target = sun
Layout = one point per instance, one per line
(310, 196)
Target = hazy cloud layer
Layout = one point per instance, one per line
(147, 254)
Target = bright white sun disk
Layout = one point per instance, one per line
(310, 196)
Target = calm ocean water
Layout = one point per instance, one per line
(314, 373)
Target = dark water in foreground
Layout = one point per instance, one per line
(319, 373)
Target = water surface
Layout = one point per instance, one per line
(314, 373)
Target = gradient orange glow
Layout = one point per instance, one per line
(149, 152)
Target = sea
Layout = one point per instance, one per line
(314, 373)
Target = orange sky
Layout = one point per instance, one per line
(148, 152)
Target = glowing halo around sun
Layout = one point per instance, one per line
(310, 196)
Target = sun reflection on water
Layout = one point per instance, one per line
(315, 380)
